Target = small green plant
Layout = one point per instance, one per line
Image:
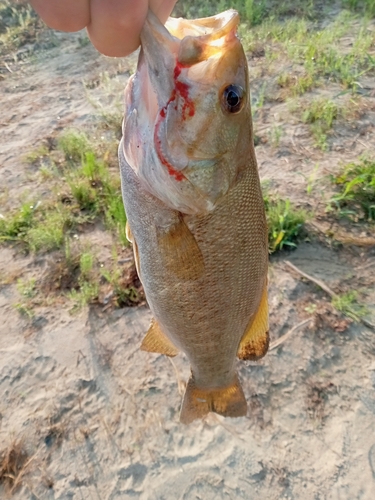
(47, 233)
(320, 114)
(348, 304)
(366, 6)
(87, 284)
(275, 135)
(27, 288)
(255, 11)
(357, 197)
(311, 180)
(321, 110)
(285, 223)
(74, 145)
(87, 292)
(14, 227)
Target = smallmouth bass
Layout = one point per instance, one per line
(195, 210)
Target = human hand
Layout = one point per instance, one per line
(113, 26)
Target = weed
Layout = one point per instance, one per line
(27, 288)
(320, 114)
(127, 289)
(357, 197)
(19, 25)
(87, 293)
(15, 227)
(321, 110)
(255, 11)
(37, 154)
(48, 232)
(275, 135)
(74, 145)
(285, 223)
(348, 304)
(25, 310)
(86, 263)
(366, 6)
(311, 180)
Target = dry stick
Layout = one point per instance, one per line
(330, 292)
(285, 337)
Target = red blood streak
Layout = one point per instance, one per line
(182, 90)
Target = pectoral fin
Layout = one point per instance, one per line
(157, 341)
(181, 253)
(130, 237)
(228, 401)
(255, 341)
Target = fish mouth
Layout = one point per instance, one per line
(183, 42)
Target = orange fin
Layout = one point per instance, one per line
(181, 253)
(255, 341)
(156, 341)
(228, 401)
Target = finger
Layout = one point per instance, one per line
(69, 15)
(116, 24)
(162, 8)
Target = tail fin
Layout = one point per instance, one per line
(228, 401)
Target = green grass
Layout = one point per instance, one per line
(356, 199)
(320, 114)
(348, 304)
(366, 7)
(15, 226)
(74, 145)
(19, 25)
(285, 223)
(85, 191)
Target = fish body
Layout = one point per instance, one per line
(195, 211)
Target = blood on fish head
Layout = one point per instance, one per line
(194, 107)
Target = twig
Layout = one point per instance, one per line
(330, 292)
(285, 337)
(320, 283)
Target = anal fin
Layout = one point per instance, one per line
(255, 341)
(228, 401)
(157, 341)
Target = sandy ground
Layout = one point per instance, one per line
(99, 418)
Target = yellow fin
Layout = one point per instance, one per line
(156, 341)
(181, 253)
(130, 237)
(255, 341)
(228, 401)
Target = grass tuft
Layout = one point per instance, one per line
(74, 145)
(285, 223)
(357, 197)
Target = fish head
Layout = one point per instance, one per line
(190, 135)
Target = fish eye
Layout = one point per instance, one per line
(232, 98)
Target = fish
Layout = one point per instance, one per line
(195, 212)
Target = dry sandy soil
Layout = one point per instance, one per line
(98, 418)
